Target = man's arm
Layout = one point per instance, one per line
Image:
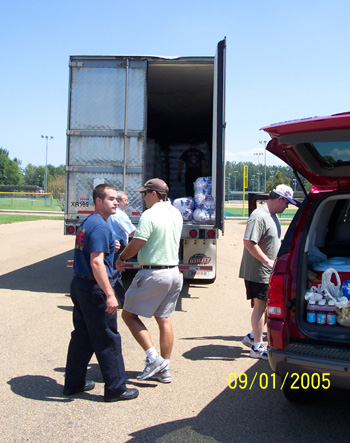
(255, 250)
(100, 273)
(181, 165)
(204, 168)
(131, 249)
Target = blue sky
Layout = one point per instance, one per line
(285, 60)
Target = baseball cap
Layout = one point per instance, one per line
(154, 184)
(286, 192)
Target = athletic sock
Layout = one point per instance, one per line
(152, 354)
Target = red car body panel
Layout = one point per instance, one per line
(312, 124)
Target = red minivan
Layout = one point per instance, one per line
(310, 358)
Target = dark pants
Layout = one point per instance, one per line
(190, 178)
(95, 331)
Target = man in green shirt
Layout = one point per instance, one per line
(155, 288)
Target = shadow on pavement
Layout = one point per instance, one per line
(49, 275)
(216, 351)
(213, 352)
(42, 388)
(257, 414)
(247, 412)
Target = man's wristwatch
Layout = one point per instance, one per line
(120, 256)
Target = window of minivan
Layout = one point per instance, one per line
(335, 153)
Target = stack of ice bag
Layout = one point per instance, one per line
(185, 205)
(203, 200)
(202, 207)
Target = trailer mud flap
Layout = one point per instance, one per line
(199, 259)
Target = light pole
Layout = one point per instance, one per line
(264, 142)
(235, 175)
(47, 137)
(258, 154)
(229, 186)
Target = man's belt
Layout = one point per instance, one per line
(85, 277)
(157, 267)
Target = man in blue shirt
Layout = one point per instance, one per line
(95, 305)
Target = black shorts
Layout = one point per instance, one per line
(256, 290)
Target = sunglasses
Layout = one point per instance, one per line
(146, 192)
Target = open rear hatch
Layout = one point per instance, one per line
(317, 148)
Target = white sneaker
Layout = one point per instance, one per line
(248, 341)
(260, 352)
(152, 368)
(163, 376)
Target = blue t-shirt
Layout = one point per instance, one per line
(93, 235)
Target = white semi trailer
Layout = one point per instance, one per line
(129, 119)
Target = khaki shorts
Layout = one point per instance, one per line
(154, 292)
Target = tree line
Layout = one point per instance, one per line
(11, 172)
(275, 175)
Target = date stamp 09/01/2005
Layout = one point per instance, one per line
(295, 381)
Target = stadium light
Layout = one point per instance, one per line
(264, 142)
(47, 137)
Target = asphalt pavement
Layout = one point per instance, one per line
(198, 406)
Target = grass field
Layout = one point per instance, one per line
(13, 218)
(29, 203)
(42, 204)
(237, 211)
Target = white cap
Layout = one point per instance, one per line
(286, 192)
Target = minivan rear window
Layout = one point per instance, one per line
(335, 153)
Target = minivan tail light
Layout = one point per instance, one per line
(275, 311)
(275, 297)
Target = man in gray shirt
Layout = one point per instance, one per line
(262, 240)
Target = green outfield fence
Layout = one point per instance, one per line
(31, 201)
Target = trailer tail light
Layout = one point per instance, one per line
(70, 229)
(211, 233)
(193, 233)
(275, 297)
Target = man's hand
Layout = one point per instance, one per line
(119, 264)
(100, 273)
(255, 250)
(117, 246)
(112, 304)
(269, 263)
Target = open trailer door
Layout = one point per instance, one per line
(219, 125)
